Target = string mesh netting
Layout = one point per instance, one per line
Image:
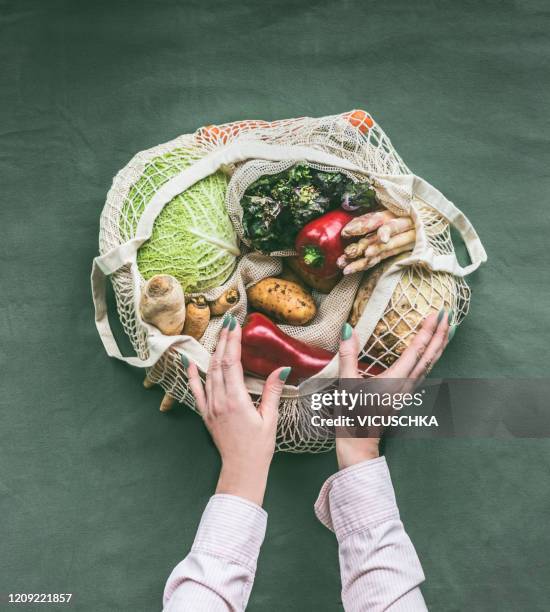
(354, 137)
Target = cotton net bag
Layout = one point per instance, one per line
(397, 294)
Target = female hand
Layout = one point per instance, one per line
(412, 367)
(243, 434)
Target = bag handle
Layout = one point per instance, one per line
(430, 196)
(404, 190)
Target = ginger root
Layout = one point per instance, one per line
(197, 317)
(222, 304)
(162, 304)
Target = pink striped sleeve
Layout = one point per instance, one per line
(218, 573)
(378, 564)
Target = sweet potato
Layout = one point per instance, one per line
(282, 300)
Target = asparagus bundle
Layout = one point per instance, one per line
(383, 235)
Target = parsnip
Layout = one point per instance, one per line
(162, 304)
(224, 302)
(167, 403)
(197, 317)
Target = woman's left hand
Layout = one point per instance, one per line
(243, 434)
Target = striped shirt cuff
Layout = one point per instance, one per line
(357, 498)
(232, 528)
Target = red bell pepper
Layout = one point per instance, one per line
(265, 348)
(319, 243)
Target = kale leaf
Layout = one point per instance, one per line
(277, 206)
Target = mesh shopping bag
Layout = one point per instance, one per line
(395, 297)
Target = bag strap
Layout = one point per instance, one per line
(429, 195)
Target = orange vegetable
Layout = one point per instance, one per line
(212, 134)
(361, 120)
(222, 134)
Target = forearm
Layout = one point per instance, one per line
(379, 566)
(219, 571)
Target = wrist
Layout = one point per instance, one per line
(249, 483)
(356, 451)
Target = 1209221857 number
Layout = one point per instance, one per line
(46, 598)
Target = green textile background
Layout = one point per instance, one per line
(100, 494)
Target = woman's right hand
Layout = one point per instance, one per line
(413, 365)
(243, 434)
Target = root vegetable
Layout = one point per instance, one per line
(197, 317)
(282, 300)
(226, 300)
(162, 304)
(148, 383)
(417, 295)
(323, 285)
(393, 227)
(167, 403)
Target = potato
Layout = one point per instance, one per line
(284, 301)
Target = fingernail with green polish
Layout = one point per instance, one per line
(226, 320)
(184, 361)
(347, 330)
(452, 332)
(284, 373)
(233, 323)
(440, 315)
(451, 315)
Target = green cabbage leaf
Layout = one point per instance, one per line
(193, 238)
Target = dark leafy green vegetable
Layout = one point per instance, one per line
(359, 195)
(277, 206)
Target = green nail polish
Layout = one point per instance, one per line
(440, 315)
(233, 323)
(347, 330)
(452, 332)
(226, 320)
(284, 373)
(184, 361)
(451, 315)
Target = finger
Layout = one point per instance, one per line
(215, 387)
(195, 384)
(348, 352)
(231, 361)
(274, 384)
(404, 366)
(434, 349)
